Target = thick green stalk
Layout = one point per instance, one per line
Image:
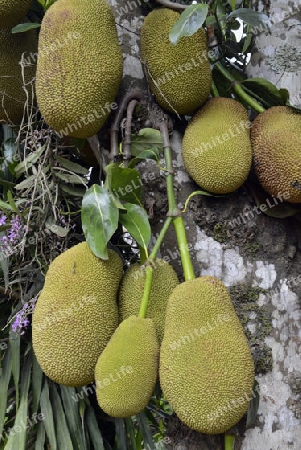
(149, 270)
(173, 210)
(229, 442)
(146, 292)
(238, 89)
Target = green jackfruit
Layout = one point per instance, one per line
(126, 371)
(12, 12)
(13, 96)
(206, 367)
(179, 75)
(276, 145)
(76, 314)
(216, 146)
(79, 66)
(131, 291)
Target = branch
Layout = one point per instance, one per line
(128, 130)
(172, 5)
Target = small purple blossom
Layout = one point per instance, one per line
(21, 321)
(2, 219)
(13, 235)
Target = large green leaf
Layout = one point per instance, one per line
(17, 436)
(40, 438)
(99, 219)
(147, 140)
(61, 427)
(189, 22)
(266, 92)
(135, 220)
(249, 16)
(23, 27)
(46, 410)
(5, 375)
(125, 183)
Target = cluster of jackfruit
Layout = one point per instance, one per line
(17, 67)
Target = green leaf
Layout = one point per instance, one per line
(37, 378)
(124, 183)
(72, 166)
(266, 92)
(28, 162)
(92, 426)
(208, 194)
(73, 417)
(135, 220)
(147, 139)
(14, 343)
(5, 206)
(75, 191)
(145, 431)
(120, 434)
(130, 431)
(22, 27)
(253, 406)
(46, 410)
(233, 4)
(40, 438)
(11, 157)
(68, 177)
(17, 439)
(62, 430)
(249, 16)
(99, 219)
(25, 184)
(5, 375)
(12, 203)
(189, 22)
(229, 441)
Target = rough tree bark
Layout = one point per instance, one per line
(256, 256)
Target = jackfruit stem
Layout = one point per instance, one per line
(173, 210)
(229, 441)
(146, 292)
(238, 89)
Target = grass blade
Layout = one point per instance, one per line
(121, 437)
(62, 430)
(37, 378)
(17, 436)
(5, 375)
(46, 410)
(148, 440)
(73, 417)
(94, 432)
(14, 343)
(41, 435)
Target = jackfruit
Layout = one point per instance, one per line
(13, 11)
(131, 291)
(216, 147)
(179, 75)
(76, 314)
(13, 96)
(206, 367)
(79, 66)
(126, 371)
(276, 145)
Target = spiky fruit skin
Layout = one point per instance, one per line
(12, 94)
(131, 291)
(216, 147)
(12, 12)
(206, 368)
(79, 66)
(276, 145)
(76, 314)
(126, 371)
(179, 75)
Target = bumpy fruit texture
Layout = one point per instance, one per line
(76, 314)
(12, 12)
(179, 75)
(206, 368)
(131, 291)
(12, 94)
(276, 145)
(79, 66)
(126, 371)
(216, 146)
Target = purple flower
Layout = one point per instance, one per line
(2, 219)
(21, 321)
